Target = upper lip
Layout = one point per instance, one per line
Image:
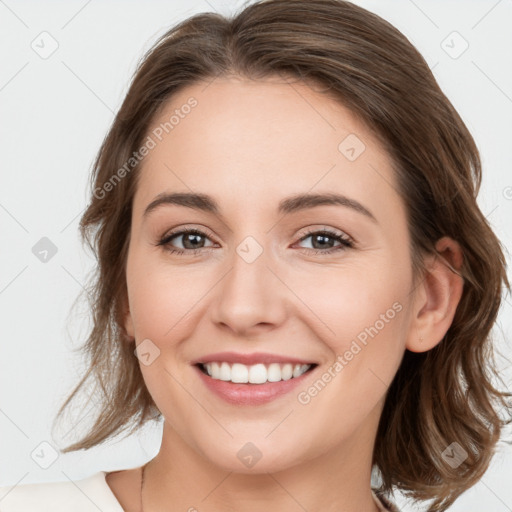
(249, 359)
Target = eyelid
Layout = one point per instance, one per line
(189, 227)
(301, 236)
(346, 241)
(324, 228)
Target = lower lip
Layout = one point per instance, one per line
(250, 394)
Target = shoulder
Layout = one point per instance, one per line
(87, 494)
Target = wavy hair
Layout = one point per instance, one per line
(443, 396)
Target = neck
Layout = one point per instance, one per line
(338, 480)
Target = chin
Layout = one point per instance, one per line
(246, 457)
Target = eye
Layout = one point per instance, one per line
(190, 241)
(322, 241)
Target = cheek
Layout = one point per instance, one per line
(345, 301)
(363, 317)
(161, 294)
(367, 348)
(366, 313)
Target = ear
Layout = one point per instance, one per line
(126, 321)
(128, 325)
(436, 297)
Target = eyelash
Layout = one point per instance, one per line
(346, 241)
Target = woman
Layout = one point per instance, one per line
(291, 263)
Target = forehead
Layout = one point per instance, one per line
(258, 141)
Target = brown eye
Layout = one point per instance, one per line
(322, 241)
(192, 240)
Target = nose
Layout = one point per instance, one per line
(250, 298)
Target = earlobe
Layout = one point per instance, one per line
(437, 296)
(128, 325)
(126, 321)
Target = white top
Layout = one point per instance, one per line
(91, 494)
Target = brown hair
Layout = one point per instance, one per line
(438, 397)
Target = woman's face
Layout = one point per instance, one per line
(269, 279)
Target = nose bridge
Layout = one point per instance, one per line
(249, 294)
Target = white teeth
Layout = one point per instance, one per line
(225, 372)
(297, 370)
(256, 373)
(213, 370)
(287, 372)
(274, 372)
(239, 373)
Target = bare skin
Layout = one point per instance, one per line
(249, 145)
(126, 487)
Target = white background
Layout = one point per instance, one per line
(54, 114)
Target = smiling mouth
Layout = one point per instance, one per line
(260, 373)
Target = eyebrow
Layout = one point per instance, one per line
(291, 204)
